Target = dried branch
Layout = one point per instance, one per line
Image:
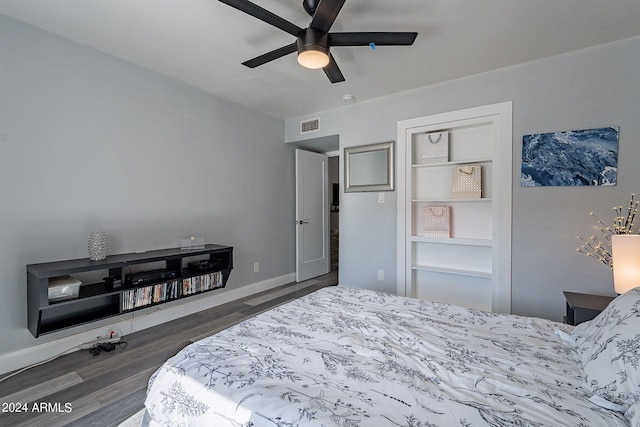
(622, 224)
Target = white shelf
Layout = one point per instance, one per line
(450, 163)
(456, 271)
(445, 200)
(463, 241)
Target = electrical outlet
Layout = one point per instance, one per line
(380, 274)
(256, 267)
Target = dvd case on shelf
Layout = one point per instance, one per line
(202, 283)
(162, 292)
(147, 295)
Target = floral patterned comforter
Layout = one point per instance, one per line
(357, 358)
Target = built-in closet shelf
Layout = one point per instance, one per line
(454, 241)
(456, 271)
(450, 163)
(467, 258)
(445, 200)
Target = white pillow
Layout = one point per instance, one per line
(609, 350)
(633, 414)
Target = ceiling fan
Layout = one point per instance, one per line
(313, 43)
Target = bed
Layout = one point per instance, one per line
(350, 357)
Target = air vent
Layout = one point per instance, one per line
(308, 126)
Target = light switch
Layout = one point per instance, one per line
(380, 197)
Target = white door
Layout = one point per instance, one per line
(312, 215)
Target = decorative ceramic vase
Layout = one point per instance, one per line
(98, 246)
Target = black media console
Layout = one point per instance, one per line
(183, 273)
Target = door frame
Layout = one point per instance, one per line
(305, 220)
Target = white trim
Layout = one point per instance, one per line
(136, 321)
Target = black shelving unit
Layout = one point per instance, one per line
(100, 300)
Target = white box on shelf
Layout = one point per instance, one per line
(63, 287)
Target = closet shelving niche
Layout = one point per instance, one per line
(472, 267)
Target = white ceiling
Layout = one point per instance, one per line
(204, 42)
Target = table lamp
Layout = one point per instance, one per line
(625, 251)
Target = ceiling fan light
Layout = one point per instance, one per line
(313, 48)
(313, 59)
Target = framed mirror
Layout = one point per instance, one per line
(369, 167)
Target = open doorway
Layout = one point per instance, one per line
(334, 214)
(329, 146)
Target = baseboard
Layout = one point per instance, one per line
(133, 322)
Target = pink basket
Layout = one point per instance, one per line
(437, 221)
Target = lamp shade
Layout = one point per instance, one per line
(625, 250)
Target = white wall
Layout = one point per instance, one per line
(595, 87)
(89, 142)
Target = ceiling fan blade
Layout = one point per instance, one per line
(377, 38)
(332, 71)
(326, 14)
(270, 56)
(263, 15)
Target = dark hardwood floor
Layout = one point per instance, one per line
(80, 389)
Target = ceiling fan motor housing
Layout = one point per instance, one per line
(310, 38)
(313, 40)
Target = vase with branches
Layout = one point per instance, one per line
(599, 246)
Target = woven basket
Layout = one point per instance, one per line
(467, 182)
(437, 221)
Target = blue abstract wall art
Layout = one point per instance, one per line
(570, 158)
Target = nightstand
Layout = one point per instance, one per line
(583, 307)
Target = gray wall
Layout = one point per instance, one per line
(595, 87)
(89, 142)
